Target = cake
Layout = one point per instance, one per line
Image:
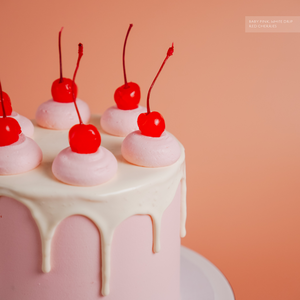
(91, 221)
(118, 240)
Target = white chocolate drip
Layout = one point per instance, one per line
(135, 190)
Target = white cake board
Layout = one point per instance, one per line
(200, 279)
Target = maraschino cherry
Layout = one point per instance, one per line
(83, 138)
(152, 123)
(7, 105)
(61, 89)
(9, 127)
(128, 95)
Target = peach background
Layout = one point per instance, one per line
(231, 98)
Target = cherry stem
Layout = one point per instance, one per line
(60, 58)
(2, 102)
(124, 71)
(169, 53)
(80, 53)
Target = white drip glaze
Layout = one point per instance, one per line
(135, 190)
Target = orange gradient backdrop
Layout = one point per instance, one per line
(232, 98)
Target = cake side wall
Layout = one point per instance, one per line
(136, 272)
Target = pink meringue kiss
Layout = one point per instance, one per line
(19, 157)
(121, 122)
(57, 115)
(26, 125)
(84, 169)
(149, 151)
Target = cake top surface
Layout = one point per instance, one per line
(129, 176)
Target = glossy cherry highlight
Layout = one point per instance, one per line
(9, 127)
(128, 95)
(152, 123)
(61, 89)
(83, 138)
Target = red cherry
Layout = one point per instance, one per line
(128, 97)
(62, 91)
(9, 131)
(7, 105)
(152, 124)
(84, 138)
(9, 127)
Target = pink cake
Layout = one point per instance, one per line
(117, 241)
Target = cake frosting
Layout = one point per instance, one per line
(84, 169)
(19, 157)
(117, 209)
(150, 151)
(121, 122)
(57, 115)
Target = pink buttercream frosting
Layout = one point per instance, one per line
(84, 169)
(26, 125)
(148, 151)
(57, 115)
(19, 157)
(121, 122)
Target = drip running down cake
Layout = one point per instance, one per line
(118, 240)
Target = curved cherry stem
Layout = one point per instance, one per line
(124, 47)
(2, 102)
(60, 57)
(80, 53)
(169, 53)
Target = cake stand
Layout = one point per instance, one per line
(200, 279)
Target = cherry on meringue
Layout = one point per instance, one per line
(10, 129)
(83, 138)
(152, 123)
(61, 89)
(128, 95)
